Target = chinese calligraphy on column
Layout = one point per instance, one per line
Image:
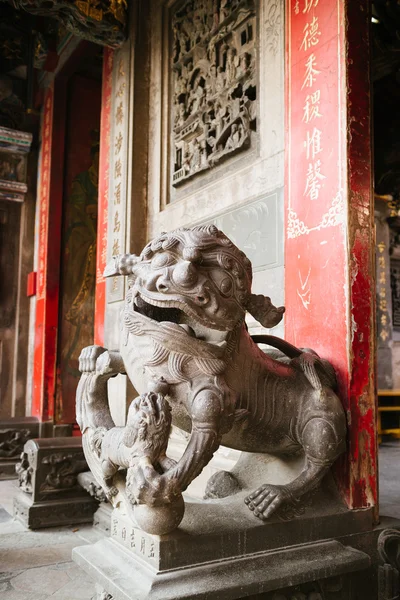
(314, 139)
(103, 203)
(44, 189)
(118, 168)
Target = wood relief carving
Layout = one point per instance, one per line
(214, 83)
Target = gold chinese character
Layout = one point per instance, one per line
(311, 72)
(384, 335)
(121, 90)
(116, 248)
(383, 305)
(382, 292)
(297, 7)
(311, 34)
(382, 277)
(121, 72)
(381, 261)
(119, 115)
(118, 143)
(384, 320)
(117, 196)
(311, 107)
(309, 4)
(117, 223)
(313, 143)
(314, 178)
(118, 168)
(381, 247)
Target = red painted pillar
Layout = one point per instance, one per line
(50, 212)
(102, 221)
(330, 284)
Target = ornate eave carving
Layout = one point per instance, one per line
(100, 21)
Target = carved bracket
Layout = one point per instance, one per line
(100, 21)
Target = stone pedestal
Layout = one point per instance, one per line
(221, 562)
(102, 516)
(222, 551)
(14, 432)
(50, 494)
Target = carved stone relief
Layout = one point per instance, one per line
(213, 83)
(388, 573)
(12, 442)
(64, 470)
(24, 470)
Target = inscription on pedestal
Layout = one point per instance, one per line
(137, 541)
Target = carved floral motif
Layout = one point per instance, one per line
(214, 83)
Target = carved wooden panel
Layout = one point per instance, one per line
(214, 85)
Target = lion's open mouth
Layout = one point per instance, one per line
(157, 313)
(186, 318)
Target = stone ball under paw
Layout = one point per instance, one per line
(160, 520)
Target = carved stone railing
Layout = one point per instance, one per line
(50, 493)
(14, 433)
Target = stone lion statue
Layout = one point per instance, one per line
(184, 339)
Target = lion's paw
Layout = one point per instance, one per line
(267, 499)
(88, 358)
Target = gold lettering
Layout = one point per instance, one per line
(311, 107)
(118, 143)
(309, 4)
(118, 168)
(311, 72)
(313, 182)
(313, 143)
(311, 34)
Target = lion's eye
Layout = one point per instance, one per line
(164, 259)
(226, 286)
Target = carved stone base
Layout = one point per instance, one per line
(232, 578)
(102, 518)
(36, 515)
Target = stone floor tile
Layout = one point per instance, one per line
(11, 594)
(11, 527)
(8, 490)
(89, 534)
(82, 588)
(13, 559)
(33, 539)
(45, 579)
